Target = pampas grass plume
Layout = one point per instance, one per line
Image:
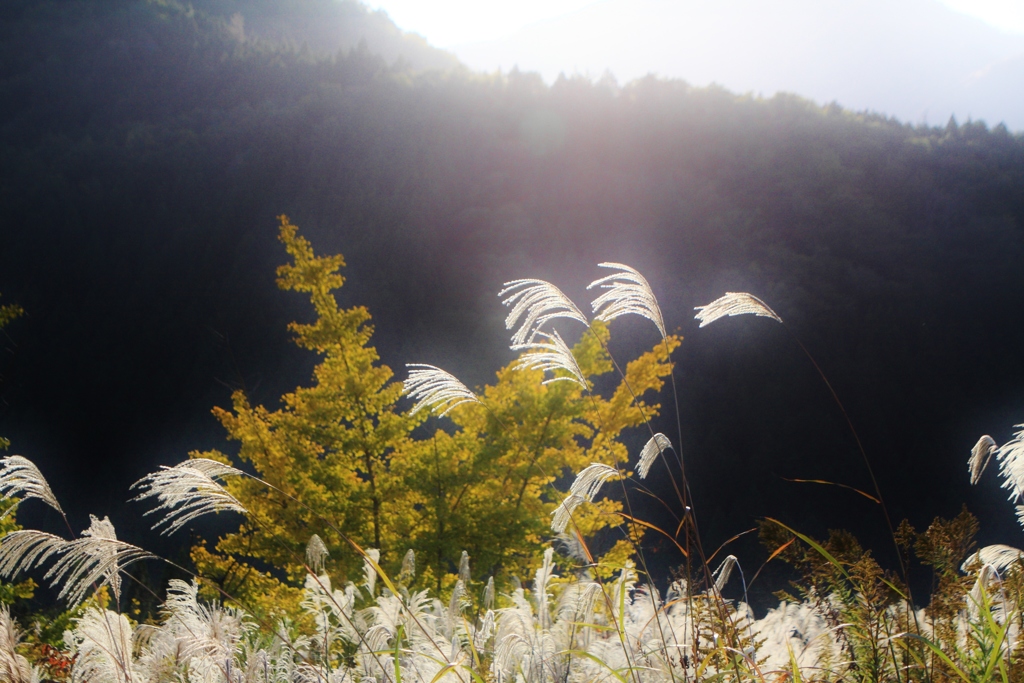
(734, 303)
(656, 445)
(980, 455)
(1011, 463)
(549, 356)
(316, 553)
(627, 292)
(998, 556)
(435, 389)
(19, 476)
(187, 491)
(94, 559)
(536, 302)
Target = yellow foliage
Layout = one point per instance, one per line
(343, 463)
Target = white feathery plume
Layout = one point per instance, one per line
(485, 631)
(1011, 463)
(576, 604)
(571, 546)
(14, 668)
(724, 571)
(980, 455)
(489, 594)
(457, 604)
(377, 637)
(22, 550)
(513, 652)
(408, 571)
(586, 485)
(433, 388)
(562, 514)
(987, 578)
(97, 557)
(316, 553)
(101, 642)
(998, 556)
(539, 301)
(464, 568)
(550, 356)
(590, 480)
(734, 303)
(628, 292)
(187, 491)
(207, 635)
(211, 468)
(20, 476)
(541, 580)
(656, 445)
(369, 573)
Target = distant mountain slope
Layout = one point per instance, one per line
(325, 27)
(914, 59)
(315, 28)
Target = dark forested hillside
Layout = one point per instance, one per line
(146, 148)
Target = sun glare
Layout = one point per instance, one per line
(452, 22)
(1006, 15)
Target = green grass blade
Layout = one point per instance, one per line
(814, 544)
(941, 655)
(598, 660)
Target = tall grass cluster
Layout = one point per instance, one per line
(578, 619)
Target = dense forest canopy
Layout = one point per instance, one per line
(146, 148)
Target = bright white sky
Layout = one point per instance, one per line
(445, 23)
(449, 22)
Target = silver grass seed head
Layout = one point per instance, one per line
(628, 293)
(734, 303)
(435, 389)
(489, 594)
(570, 545)
(1011, 464)
(988, 578)
(316, 553)
(998, 556)
(457, 604)
(980, 455)
(408, 572)
(549, 356)
(584, 488)
(211, 468)
(369, 571)
(589, 481)
(724, 571)
(464, 575)
(187, 491)
(103, 648)
(19, 477)
(562, 514)
(22, 550)
(14, 667)
(97, 558)
(537, 302)
(655, 446)
(509, 654)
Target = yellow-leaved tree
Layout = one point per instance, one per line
(343, 461)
